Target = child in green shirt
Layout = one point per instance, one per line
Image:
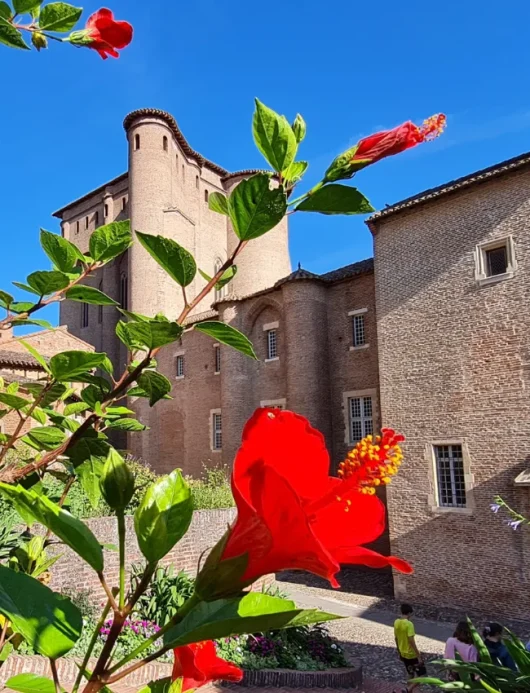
(409, 654)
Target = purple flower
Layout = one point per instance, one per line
(514, 524)
(495, 507)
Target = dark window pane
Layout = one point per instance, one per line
(497, 261)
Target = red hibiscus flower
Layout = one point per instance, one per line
(291, 514)
(106, 34)
(386, 143)
(198, 664)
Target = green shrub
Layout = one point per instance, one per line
(213, 490)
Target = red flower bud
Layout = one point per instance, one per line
(104, 34)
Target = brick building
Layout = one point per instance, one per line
(431, 337)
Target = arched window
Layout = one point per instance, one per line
(206, 196)
(100, 308)
(183, 173)
(123, 203)
(177, 162)
(219, 293)
(137, 142)
(84, 315)
(96, 219)
(124, 291)
(77, 227)
(164, 143)
(197, 182)
(106, 210)
(86, 222)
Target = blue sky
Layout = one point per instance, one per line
(351, 68)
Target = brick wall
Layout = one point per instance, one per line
(454, 366)
(206, 528)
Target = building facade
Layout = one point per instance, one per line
(452, 280)
(431, 337)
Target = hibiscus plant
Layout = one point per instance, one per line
(291, 514)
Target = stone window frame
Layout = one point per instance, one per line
(351, 315)
(469, 480)
(280, 403)
(481, 249)
(346, 396)
(216, 354)
(211, 430)
(270, 327)
(177, 355)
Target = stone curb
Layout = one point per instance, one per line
(346, 677)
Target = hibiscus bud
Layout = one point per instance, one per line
(117, 481)
(80, 38)
(299, 128)
(39, 40)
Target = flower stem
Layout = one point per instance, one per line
(121, 536)
(307, 194)
(55, 676)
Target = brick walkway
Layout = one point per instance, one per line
(369, 686)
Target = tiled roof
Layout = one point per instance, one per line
(207, 315)
(348, 271)
(96, 191)
(157, 113)
(471, 179)
(16, 358)
(245, 172)
(10, 377)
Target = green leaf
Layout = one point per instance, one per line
(61, 252)
(127, 425)
(164, 685)
(6, 650)
(30, 683)
(48, 282)
(255, 208)
(227, 335)
(87, 446)
(25, 287)
(226, 277)
(274, 137)
(106, 365)
(38, 415)
(89, 474)
(171, 256)
(336, 199)
(59, 16)
(110, 240)
(10, 36)
(163, 516)
(69, 364)
(13, 401)
(53, 394)
(75, 408)
(253, 613)
(41, 323)
(38, 357)
(87, 294)
(24, 6)
(6, 298)
(156, 384)
(49, 622)
(218, 202)
(138, 335)
(45, 437)
(299, 128)
(69, 529)
(22, 306)
(5, 10)
(295, 171)
(483, 652)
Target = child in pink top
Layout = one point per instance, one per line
(461, 643)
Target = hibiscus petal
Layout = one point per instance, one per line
(348, 518)
(294, 545)
(118, 34)
(103, 14)
(360, 555)
(287, 443)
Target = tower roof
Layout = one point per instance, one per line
(183, 142)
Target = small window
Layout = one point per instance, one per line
(183, 173)
(217, 436)
(206, 196)
(217, 356)
(124, 291)
(197, 182)
(179, 366)
(96, 219)
(100, 308)
(123, 203)
(137, 142)
(360, 411)
(177, 162)
(450, 477)
(86, 222)
(495, 261)
(84, 315)
(77, 227)
(358, 331)
(106, 210)
(272, 344)
(165, 143)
